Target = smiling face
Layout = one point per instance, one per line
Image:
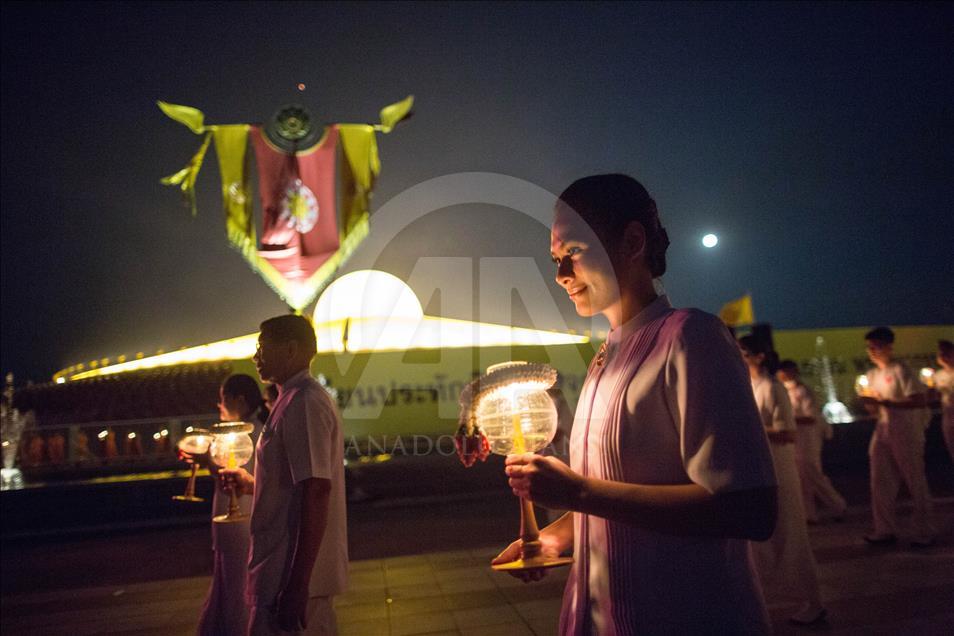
(584, 269)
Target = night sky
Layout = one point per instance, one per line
(817, 141)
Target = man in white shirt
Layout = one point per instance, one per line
(812, 429)
(298, 559)
(896, 452)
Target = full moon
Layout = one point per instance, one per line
(710, 240)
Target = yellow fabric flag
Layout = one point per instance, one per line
(360, 147)
(186, 177)
(231, 143)
(193, 118)
(393, 113)
(738, 312)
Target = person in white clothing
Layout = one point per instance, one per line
(298, 559)
(670, 473)
(785, 563)
(896, 451)
(812, 431)
(944, 388)
(224, 611)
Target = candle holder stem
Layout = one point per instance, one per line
(190, 485)
(233, 503)
(531, 548)
(529, 531)
(190, 488)
(235, 513)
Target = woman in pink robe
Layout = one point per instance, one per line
(224, 611)
(670, 472)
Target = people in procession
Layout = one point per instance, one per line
(812, 429)
(298, 559)
(224, 610)
(944, 388)
(896, 451)
(785, 563)
(670, 473)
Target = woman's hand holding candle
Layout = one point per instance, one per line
(237, 478)
(545, 480)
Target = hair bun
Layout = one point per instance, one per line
(657, 252)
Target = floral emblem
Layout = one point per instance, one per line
(299, 207)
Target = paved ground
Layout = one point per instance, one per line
(868, 591)
(419, 564)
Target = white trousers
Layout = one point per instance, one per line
(785, 563)
(808, 448)
(896, 453)
(225, 612)
(321, 620)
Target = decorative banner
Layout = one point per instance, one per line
(303, 173)
(738, 312)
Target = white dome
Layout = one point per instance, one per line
(367, 294)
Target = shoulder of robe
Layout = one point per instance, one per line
(692, 323)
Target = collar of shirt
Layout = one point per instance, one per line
(650, 312)
(293, 381)
(757, 382)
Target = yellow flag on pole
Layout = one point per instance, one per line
(738, 312)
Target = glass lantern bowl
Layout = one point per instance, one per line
(519, 417)
(196, 442)
(510, 406)
(232, 447)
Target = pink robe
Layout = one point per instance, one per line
(671, 405)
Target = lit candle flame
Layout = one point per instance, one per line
(862, 385)
(230, 463)
(519, 444)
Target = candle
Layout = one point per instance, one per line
(231, 447)
(519, 444)
(862, 386)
